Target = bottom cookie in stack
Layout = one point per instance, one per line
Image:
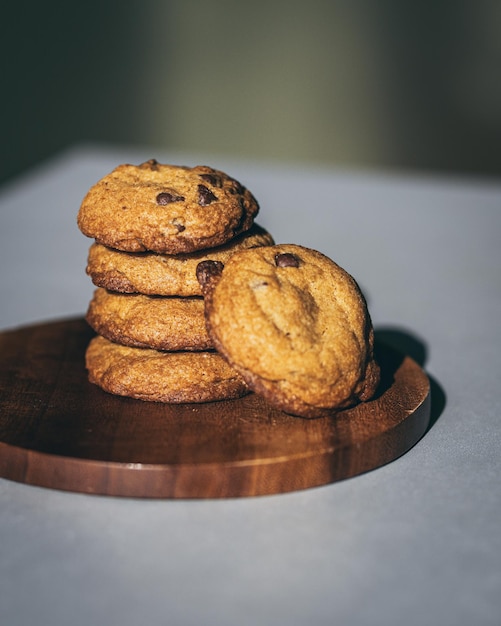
(173, 377)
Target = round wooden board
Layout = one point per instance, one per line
(59, 431)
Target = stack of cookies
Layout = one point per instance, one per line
(196, 303)
(153, 224)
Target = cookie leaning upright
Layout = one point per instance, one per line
(295, 326)
(166, 208)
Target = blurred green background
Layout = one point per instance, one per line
(356, 84)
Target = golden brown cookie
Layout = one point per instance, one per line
(166, 208)
(151, 322)
(162, 274)
(295, 326)
(172, 377)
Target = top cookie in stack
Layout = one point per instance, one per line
(152, 225)
(166, 209)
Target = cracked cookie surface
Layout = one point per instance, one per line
(166, 208)
(295, 325)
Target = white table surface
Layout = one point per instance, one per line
(417, 541)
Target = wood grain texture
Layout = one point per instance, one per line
(59, 431)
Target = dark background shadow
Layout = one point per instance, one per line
(407, 343)
(405, 86)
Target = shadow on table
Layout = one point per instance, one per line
(408, 344)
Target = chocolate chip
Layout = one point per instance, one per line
(152, 164)
(212, 179)
(205, 196)
(178, 224)
(166, 197)
(208, 270)
(286, 260)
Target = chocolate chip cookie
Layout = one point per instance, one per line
(172, 377)
(151, 322)
(162, 274)
(167, 209)
(295, 326)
